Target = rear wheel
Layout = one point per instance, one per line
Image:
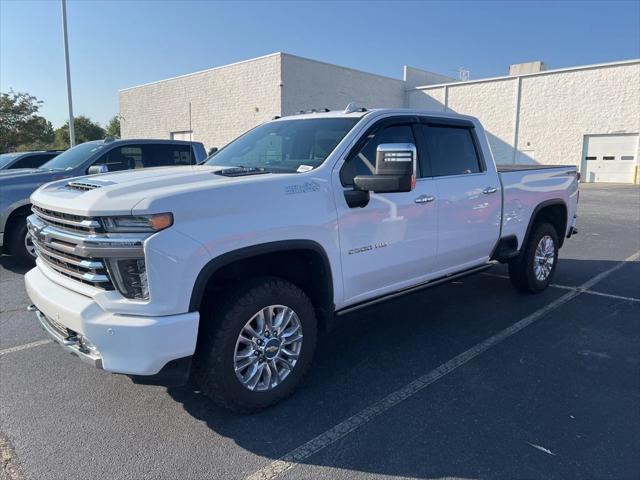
(21, 243)
(256, 348)
(533, 270)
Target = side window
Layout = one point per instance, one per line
(123, 158)
(166, 155)
(451, 151)
(32, 161)
(362, 161)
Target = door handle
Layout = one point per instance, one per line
(489, 190)
(425, 199)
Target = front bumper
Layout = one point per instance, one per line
(128, 344)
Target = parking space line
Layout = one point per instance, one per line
(24, 347)
(344, 428)
(581, 289)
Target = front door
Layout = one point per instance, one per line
(468, 196)
(391, 242)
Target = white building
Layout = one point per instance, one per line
(588, 116)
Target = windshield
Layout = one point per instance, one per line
(286, 146)
(7, 158)
(74, 157)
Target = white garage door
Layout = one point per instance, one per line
(610, 158)
(184, 135)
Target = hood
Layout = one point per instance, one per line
(119, 192)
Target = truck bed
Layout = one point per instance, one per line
(526, 187)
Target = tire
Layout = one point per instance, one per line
(529, 275)
(219, 346)
(18, 242)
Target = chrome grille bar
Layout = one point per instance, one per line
(71, 246)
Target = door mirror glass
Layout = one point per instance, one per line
(395, 169)
(96, 169)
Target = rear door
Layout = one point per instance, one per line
(468, 197)
(391, 242)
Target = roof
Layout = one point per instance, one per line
(534, 74)
(376, 111)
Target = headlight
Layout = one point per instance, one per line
(129, 276)
(138, 223)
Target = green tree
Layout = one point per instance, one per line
(85, 129)
(113, 127)
(20, 127)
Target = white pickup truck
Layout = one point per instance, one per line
(227, 269)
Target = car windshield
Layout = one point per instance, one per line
(7, 158)
(285, 146)
(74, 157)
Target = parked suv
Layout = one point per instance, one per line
(15, 160)
(87, 158)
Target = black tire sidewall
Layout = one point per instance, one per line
(216, 356)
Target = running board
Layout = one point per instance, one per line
(422, 286)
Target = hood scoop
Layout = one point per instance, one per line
(85, 185)
(241, 171)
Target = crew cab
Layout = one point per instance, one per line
(228, 269)
(17, 184)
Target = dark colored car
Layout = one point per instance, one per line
(34, 159)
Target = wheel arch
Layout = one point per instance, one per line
(555, 212)
(20, 210)
(286, 259)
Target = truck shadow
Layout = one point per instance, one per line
(377, 351)
(14, 265)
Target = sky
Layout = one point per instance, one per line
(121, 43)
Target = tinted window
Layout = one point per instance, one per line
(125, 158)
(7, 158)
(363, 160)
(451, 151)
(33, 161)
(170, 155)
(286, 146)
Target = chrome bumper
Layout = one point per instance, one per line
(70, 341)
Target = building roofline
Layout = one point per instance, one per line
(203, 71)
(544, 72)
(284, 54)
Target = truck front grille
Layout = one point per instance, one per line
(60, 250)
(66, 221)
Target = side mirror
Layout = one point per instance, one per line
(96, 169)
(395, 170)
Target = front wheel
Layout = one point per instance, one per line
(533, 270)
(255, 349)
(21, 243)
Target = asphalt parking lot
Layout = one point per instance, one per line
(467, 380)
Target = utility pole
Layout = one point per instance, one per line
(72, 130)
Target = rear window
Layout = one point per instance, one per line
(33, 161)
(451, 151)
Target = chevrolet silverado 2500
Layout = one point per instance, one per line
(230, 267)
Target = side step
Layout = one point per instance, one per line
(422, 286)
